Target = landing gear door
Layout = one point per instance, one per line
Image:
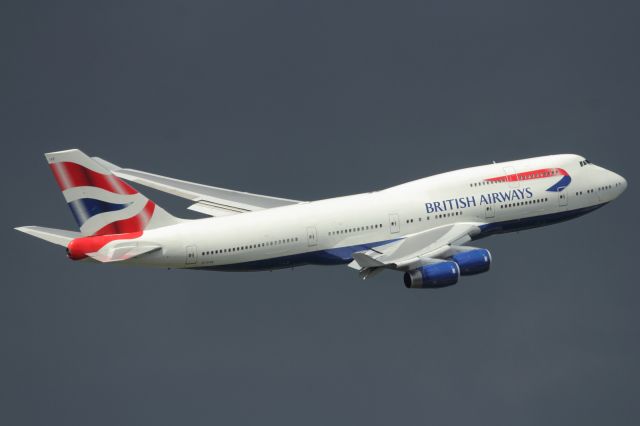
(191, 256)
(394, 223)
(512, 177)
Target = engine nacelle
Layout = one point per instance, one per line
(473, 261)
(436, 275)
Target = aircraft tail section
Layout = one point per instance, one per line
(102, 203)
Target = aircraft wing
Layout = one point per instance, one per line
(416, 250)
(209, 200)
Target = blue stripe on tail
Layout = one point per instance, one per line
(84, 208)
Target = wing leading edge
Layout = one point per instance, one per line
(209, 200)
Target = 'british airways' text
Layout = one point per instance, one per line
(472, 201)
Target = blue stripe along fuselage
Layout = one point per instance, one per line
(532, 222)
(84, 208)
(334, 256)
(342, 255)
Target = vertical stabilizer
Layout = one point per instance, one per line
(102, 203)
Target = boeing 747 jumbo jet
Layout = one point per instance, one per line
(420, 228)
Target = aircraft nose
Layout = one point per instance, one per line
(620, 182)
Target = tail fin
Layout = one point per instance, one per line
(102, 203)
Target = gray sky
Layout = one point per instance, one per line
(308, 100)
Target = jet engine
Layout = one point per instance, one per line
(436, 275)
(473, 261)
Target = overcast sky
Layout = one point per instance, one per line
(309, 100)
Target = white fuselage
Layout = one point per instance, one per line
(499, 197)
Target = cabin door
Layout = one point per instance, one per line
(512, 177)
(192, 255)
(563, 200)
(488, 211)
(394, 223)
(312, 236)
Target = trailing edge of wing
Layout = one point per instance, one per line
(209, 200)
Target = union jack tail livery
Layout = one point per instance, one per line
(101, 203)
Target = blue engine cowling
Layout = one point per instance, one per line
(473, 261)
(440, 274)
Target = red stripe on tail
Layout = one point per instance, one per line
(71, 175)
(135, 223)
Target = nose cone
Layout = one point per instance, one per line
(619, 182)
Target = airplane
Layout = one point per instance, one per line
(421, 228)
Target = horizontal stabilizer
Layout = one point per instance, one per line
(60, 237)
